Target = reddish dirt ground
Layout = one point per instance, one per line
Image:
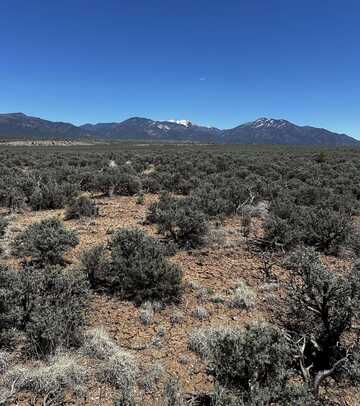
(215, 268)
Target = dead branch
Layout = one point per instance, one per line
(321, 375)
(304, 370)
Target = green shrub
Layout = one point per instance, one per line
(49, 194)
(45, 242)
(9, 294)
(211, 200)
(14, 200)
(252, 364)
(323, 228)
(134, 267)
(319, 308)
(120, 181)
(53, 316)
(281, 233)
(82, 206)
(326, 229)
(165, 204)
(139, 269)
(96, 264)
(190, 226)
(179, 219)
(45, 304)
(151, 184)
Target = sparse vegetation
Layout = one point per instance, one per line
(298, 211)
(151, 377)
(45, 242)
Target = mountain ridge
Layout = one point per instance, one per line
(260, 131)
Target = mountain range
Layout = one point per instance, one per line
(16, 126)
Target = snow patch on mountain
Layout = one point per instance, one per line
(163, 127)
(269, 123)
(185, 123)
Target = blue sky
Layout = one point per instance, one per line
(217, 63)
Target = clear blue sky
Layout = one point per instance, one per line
(214, 62)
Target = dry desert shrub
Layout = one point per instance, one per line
(82, 206)
(63, 372)
(97, 344)
(45, 241)
(120, 371)
(151, 377)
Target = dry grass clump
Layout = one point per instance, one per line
(148, 310)
(63, 372)
(176, 317)
(218, 298)
(147, 313)
(201, 340)
(97, 344)
(243, 297)
(174, 395)
(151, 377)
(120, 370)
(200, 313)
(193, 285)
(203, 294)
(216, 237)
